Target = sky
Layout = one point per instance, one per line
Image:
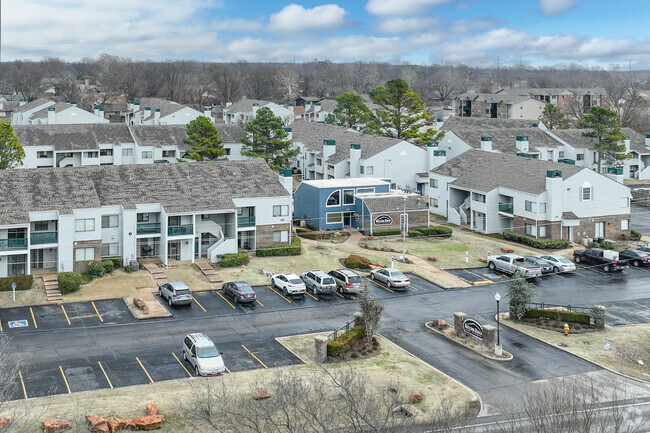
(473, 32)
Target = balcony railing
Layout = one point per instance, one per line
(506, 208)
(246, 221)
(39, 238)
(186, 229)
(13, 244)
(148, 228)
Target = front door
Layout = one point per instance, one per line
(347, 219)
(37, 259)
(174, 250)
(599, 230)
(569, 233)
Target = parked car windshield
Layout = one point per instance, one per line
(295, 281)
(243, 288)
(519, 260)
(183, 292)
(207, 352)
(354, 279)
(328, 281)
(397, 274)
(563, 260)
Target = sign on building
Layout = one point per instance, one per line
(383, 220)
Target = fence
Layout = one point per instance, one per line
(343, 329)
(544, 306)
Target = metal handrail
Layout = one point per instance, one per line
(343, 329)
(545, 306)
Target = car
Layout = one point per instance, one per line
(636, 257)
(240, 291)
(559, 263)
(391, 277)
(347, 281)
(609, 260)
(175, 292)
(203, 355)
(319, 282)
(513, 264)
(289, 284)
(543, 264)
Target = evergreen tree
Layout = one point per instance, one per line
(11, 152)
(604, 126)
(203, 139)
(553, 118)
(265, 137)
(402, 114)
(350, 111)
(521, 294)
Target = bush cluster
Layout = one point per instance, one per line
(294, 249)
(605, 244)
(128, 269)
(108, 266)
(354, 261)
(69, 282)
(554, 244)
(117, 261)
(96, 269)
(338, 345)
(23, 282)
(565, 316)
(387, 232)
(430, 231)
(234, 259)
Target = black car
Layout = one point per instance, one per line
(636, 257)
(240, 291)
(547, 268)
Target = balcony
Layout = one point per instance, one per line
(148, 229)
(246, 222)
(13, 244)
(506, 208)
(186, 229)
(39, 238)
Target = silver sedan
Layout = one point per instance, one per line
(391, 277)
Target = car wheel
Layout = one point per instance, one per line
(184, 356)
(606, 268)
(556, 269)
(169, 301)
(578, 259)
(196, 371)
(372, 276)
(160, 292)
(491, 266)
(636, 263)
(389, 284)
(340, 289)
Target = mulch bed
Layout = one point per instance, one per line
(360, 349)
(558, 325)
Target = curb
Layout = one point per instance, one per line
(431, 328)
(291, 351)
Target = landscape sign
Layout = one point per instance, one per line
(472, 327)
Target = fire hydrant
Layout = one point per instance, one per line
(566, 329)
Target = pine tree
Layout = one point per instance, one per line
(604, 126)
(11, 152)
(350, 111)
(553, 118)
(203, 139)
(265, 137)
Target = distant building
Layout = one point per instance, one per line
(46, 112)
(156, 111)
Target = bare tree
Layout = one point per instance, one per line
(228, 81)
(27, 78)
(624, 97)
(287, 79)
(371, 309)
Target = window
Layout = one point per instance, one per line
(530, 206)
(68, 155)
(92, 154)
(530, 230)
(348, 196)
(370, 190)
(330, 167)
(81, 254)
(361, 170)
(542, 208)
(282, 236)
(625, 224)
(205, 217)
(147, 154)
(143, 217)
(41, 226)
(43, 154)
(433, 202)
(84, 225)
(168, 153)
(105, 152)
(110, 221)
(550, 155)
(109, 250)
(625, 202)
(542, 232)
(334, 199)
(334, 218)
(560, 154)
(586, 192)
(478, 197)
(370, 169)
(227, 149)
(319, 161)
(127, 152)
(433, 183)
(580, 157)
(280, 210)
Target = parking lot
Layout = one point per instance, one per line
(477, 276)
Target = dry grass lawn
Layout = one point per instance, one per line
(117, 284)
(33, 296)
(190, 275)
(629, 344)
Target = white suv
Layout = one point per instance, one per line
(289, 284)
(203, 355)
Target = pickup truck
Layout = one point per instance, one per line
(608, 260)
(513, 263)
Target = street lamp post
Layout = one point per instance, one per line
(498, 350)
(404, 232)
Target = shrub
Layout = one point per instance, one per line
(387, 232)
(117, 261)
(597, 316)
(554, 244)
(565, 316)
(69, 282)
(23, 282)
(605, 244)
(635, 236)
(108, 266)
(354, 261)
(431, 231)
(128, 269)
(336, 346)
(96, 269)
(235, 259)
(294, 249)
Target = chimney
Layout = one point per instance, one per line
(647, 140)
(289, 133)
(207, 112)
(627, 144)
(439, 158)
(280, 103)
(156, 117)
(553, 195)
(486, 143)
(439, 123)
(73, 103)
(431, 146)
(101, 112)
(286, 179)
(307, 105)
(355, 160)
(522, 143)
(256, 107)
(51, 116)
(615, 173)
(96, 110)
(317, 107)
(22, 102)
(329, 148)
(147, 112)
(87, 82)
(228, 103)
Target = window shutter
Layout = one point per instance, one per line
(580, 194)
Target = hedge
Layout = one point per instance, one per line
(554, 244)
(430, 231)
(336, 346)
(387, 232)
(96, 269)
(354, 261)
(565, 316)
(108, 266)
(23, 282)
(117, 261)
(294, 249)
(235, 259)
(69, 282)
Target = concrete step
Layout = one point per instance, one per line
(159, 276)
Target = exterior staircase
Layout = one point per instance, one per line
(52, 292)
(156, 272)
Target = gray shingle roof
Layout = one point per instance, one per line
(32, 105)
(166, 107)
(58, 107)
(504, 139)
(575, 138)
(159, 135)
(394, 203)
(245, 105)
(554, 90)
(312, 135)
(9, 105)
(485, 171)
(192, 186)
(72, 137)
(506, 98)
(453, 123)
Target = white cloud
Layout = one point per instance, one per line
(402, 7)
(238, 25)
(554, 7)
(296, 17)
(468, 26)
(406, 25)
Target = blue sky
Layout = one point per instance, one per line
(473, 32)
